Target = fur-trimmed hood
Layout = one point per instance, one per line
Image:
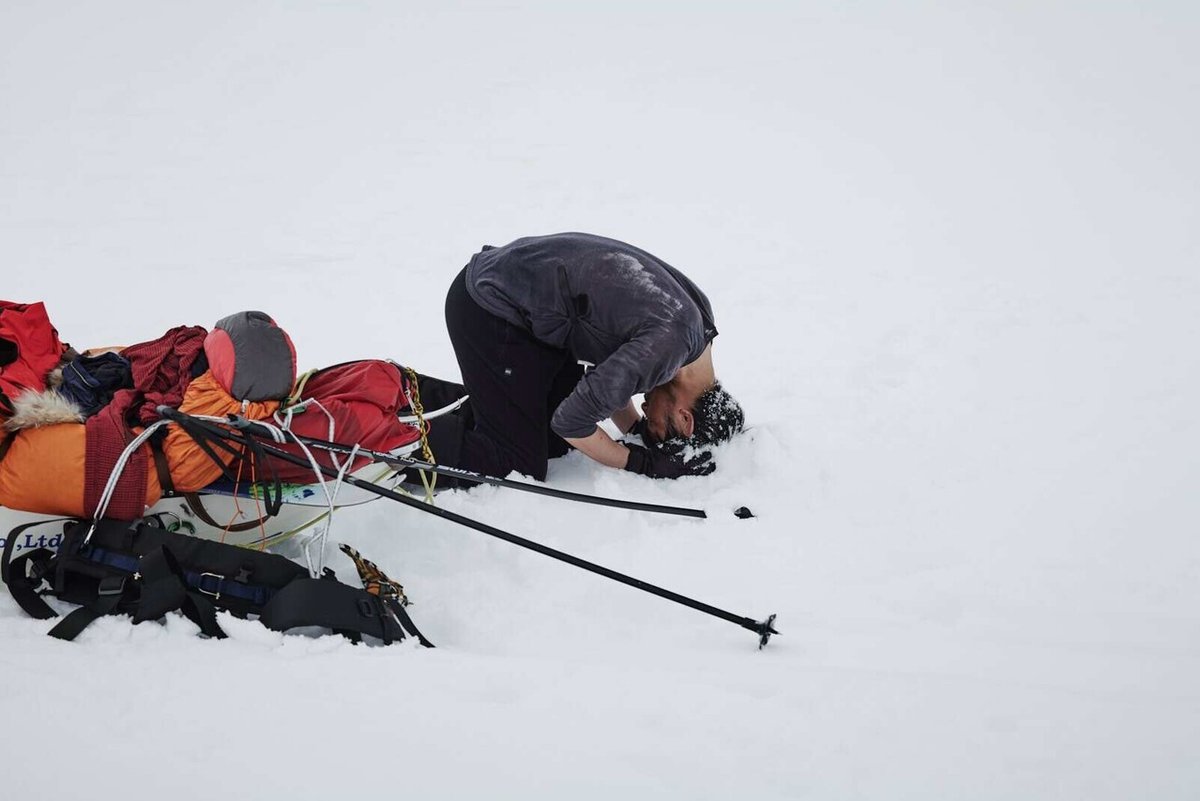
(33, 409)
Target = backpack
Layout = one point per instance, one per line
(142, 569)
(29, 349)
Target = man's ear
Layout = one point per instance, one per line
(687, 423)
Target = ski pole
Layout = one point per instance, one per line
(468, 475)
(763, 628)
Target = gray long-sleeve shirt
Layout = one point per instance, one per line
(633, 316)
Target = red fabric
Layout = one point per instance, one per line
(218, 347)
(29, 337)
(364, 399)
(161, 372)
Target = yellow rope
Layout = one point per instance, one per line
(294, 398)
(428, 479)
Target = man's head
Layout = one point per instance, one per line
(709, 418)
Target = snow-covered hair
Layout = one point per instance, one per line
(717, 417)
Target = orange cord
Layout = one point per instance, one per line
(262, 529)
(237, 504)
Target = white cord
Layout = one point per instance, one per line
(322, 535)
(114, 477)
(410, 419)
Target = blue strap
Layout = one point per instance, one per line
(208, 583)
(212, 584)
(121, 561)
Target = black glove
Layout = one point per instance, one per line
(639, 429)
(661, 464)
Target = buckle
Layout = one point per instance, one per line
(111, 585)
(215, 592)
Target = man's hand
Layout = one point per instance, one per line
(662, 464)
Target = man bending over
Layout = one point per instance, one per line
(523, 317)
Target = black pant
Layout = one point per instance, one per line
(515, 383)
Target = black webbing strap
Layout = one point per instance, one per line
(109, 595)
(206, 436)
(14, 572)
(406, 621)
(161, 467)
(205, 440)
(195, 503)
(164, 589)
(200, 611)
(24, 588)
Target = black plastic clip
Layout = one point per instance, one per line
(111, 585)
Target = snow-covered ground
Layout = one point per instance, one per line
(953, 253)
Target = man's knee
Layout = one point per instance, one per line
(476, 449)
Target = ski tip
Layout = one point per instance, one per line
(765, 629)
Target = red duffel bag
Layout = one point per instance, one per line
(351, 403)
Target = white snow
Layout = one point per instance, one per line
(952, 251)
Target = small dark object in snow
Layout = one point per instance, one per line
(743, 512)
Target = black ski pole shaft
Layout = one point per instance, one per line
(763, 628)
(479, 478)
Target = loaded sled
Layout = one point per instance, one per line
(96, 487)
(62, 450)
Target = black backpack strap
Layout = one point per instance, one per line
(112, 590)
(200, 611)
(378, 584)
(24, 587)
(332, 605)
(406, 621)
(16, 574)
(164, 589)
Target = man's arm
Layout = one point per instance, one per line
(602, 448)
(647, 360)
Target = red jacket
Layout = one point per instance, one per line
(29, 349)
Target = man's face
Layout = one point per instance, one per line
(658, 409)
